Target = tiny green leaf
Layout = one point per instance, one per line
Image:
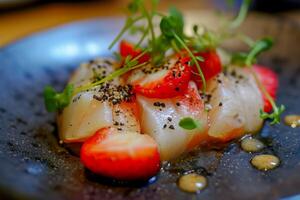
(178, 17)
(167, 27)
(55, 101)
(189, 123)
(134, 6)
(258, 47)
(274, 116)
(239, 58)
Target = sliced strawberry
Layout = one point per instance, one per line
(127, 49)
(167, 81)
(211, 66)
(270, 81)
(122, 156)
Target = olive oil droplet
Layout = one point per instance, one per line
(292, 120)
(265, 162)
(250, 144)
(192, 182)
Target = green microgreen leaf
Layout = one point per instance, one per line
(247, 59)
(189, 123)
(274, 116)
(258, 47)
(55, 101)
(239, 58)
(134, 6)
(178, 18)
(276, 111)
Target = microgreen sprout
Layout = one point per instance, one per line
(241, 15)
(248, 59)
(55, 101)
(274, 116)
(129, 64)
(189, 123)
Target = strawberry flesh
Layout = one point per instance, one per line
(269, 80)
(122, 156)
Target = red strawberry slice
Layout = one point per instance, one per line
(127, 49)
(211, 66)
(270, 81)
(166, 81)
(122, 156)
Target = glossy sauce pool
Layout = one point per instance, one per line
(265, 162)
(292, 120)
(250, 144)
(192, 182)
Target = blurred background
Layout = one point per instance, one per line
(19, 18)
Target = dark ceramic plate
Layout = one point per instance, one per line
(34, 166)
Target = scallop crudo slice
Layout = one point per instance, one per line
(160, 119)
(235, 101)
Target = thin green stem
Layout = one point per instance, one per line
(124, 29)
(114, 74)
(241, 15)
(175, 47)
(194, 60)
(264, 90)
(150, 24)
(142, 38)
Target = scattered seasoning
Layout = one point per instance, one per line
(192, 183)
(251, 144)
(292, 120)
(114, 93)
(220, 104)
(240, 77)
(169, 119)
(177, 104)
(159, 104)
(154, 69)
(156, 104)
(171, 127)
(233, 73)
(206, 97)
(100, 68)
(76, 98)
(265, 162)
(116, 123)
(165, 126)
(177, 89)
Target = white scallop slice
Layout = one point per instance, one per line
(154, 121)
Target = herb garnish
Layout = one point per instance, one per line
(248, 59)
(189, 123)
(55, 101)
(171, 37)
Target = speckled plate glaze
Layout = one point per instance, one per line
(34, 166)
